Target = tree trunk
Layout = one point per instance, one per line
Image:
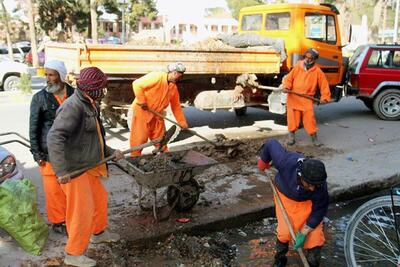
(93, 19)
(7, 25)
(32, 33)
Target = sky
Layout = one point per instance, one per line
(181, 8)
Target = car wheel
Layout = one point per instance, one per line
(368, 102)
(387, 105)
(11, 83)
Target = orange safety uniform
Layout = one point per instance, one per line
(305, 82)
(87, 203)
(55, 197)
(154, 90)
(298, 213)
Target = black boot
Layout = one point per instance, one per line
(60, 228)
(314, 256)
(315, 141)
(280, 254)
(292, 139)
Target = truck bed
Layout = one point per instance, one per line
(130, 60)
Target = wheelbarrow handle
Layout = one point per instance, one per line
(139, 147)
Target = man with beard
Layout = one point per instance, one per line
(305, 78)
(76, 141)
(42, 114)
(155, 90)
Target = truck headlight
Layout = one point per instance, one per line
(7, 166)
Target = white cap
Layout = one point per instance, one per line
(58, 66)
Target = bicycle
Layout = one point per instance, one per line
(372, 235)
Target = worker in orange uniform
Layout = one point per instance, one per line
(75, 141)
(305, 78)
(302, 188)
(156, 90)
(43, 109)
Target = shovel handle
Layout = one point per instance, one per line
(139, 147)
(177, 124)
(289, 92)
(287, 221)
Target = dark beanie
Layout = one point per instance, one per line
(313, 171)
(313, 52)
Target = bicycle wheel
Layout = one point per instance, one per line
(370, 238)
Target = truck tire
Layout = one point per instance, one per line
(368, 102)
(387, 105)
(11, 83)
(240, 111)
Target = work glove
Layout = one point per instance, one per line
(299, 241)
(144, 106)
(262, 166)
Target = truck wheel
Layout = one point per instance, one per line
(11, 83)
(369, 103)
(387, 105)
(240, 111)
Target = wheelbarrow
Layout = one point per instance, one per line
(174, 170)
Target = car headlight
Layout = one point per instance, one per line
(7, 166)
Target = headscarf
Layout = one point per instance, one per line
(92, 81)
(58, 66)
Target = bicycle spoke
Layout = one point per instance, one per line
(372, 249)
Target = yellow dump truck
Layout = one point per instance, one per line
(211, 77)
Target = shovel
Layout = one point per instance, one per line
(287, 221)
(162, 142)
(231, 148)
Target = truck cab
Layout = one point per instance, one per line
(301, 26)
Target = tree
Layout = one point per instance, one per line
(93, 20)
(32, 33)
(235, 5)
(141, 8)
(64, 12)
(7, 26)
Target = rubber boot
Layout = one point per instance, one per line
(314, 256)
(292, 139)
(315, 141)
(280, 254)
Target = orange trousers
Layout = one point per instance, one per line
(141, 132)
(298, 213)
(294, 117)
(86, 211)
(55, 197)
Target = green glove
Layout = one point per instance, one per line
(299, 241)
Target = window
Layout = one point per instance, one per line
(277, 21)
(384, 59)
(251, 22)
(320, 27)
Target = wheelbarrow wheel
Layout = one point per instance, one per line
(188, 194)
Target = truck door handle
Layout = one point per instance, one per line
(335, 57)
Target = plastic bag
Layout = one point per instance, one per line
(20, 217)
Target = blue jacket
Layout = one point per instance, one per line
(287, 181)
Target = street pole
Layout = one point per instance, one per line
(32, 33)
(396, 23)
(123, 23)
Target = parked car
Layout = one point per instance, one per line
(41, 55)
(19, 52)
(8, 166)
(374, 77)
(10, 73)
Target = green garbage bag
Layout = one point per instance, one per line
(19, 215)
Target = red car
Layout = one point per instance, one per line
(374, 77)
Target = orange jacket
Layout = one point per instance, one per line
(306, 82)
(154, 89)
